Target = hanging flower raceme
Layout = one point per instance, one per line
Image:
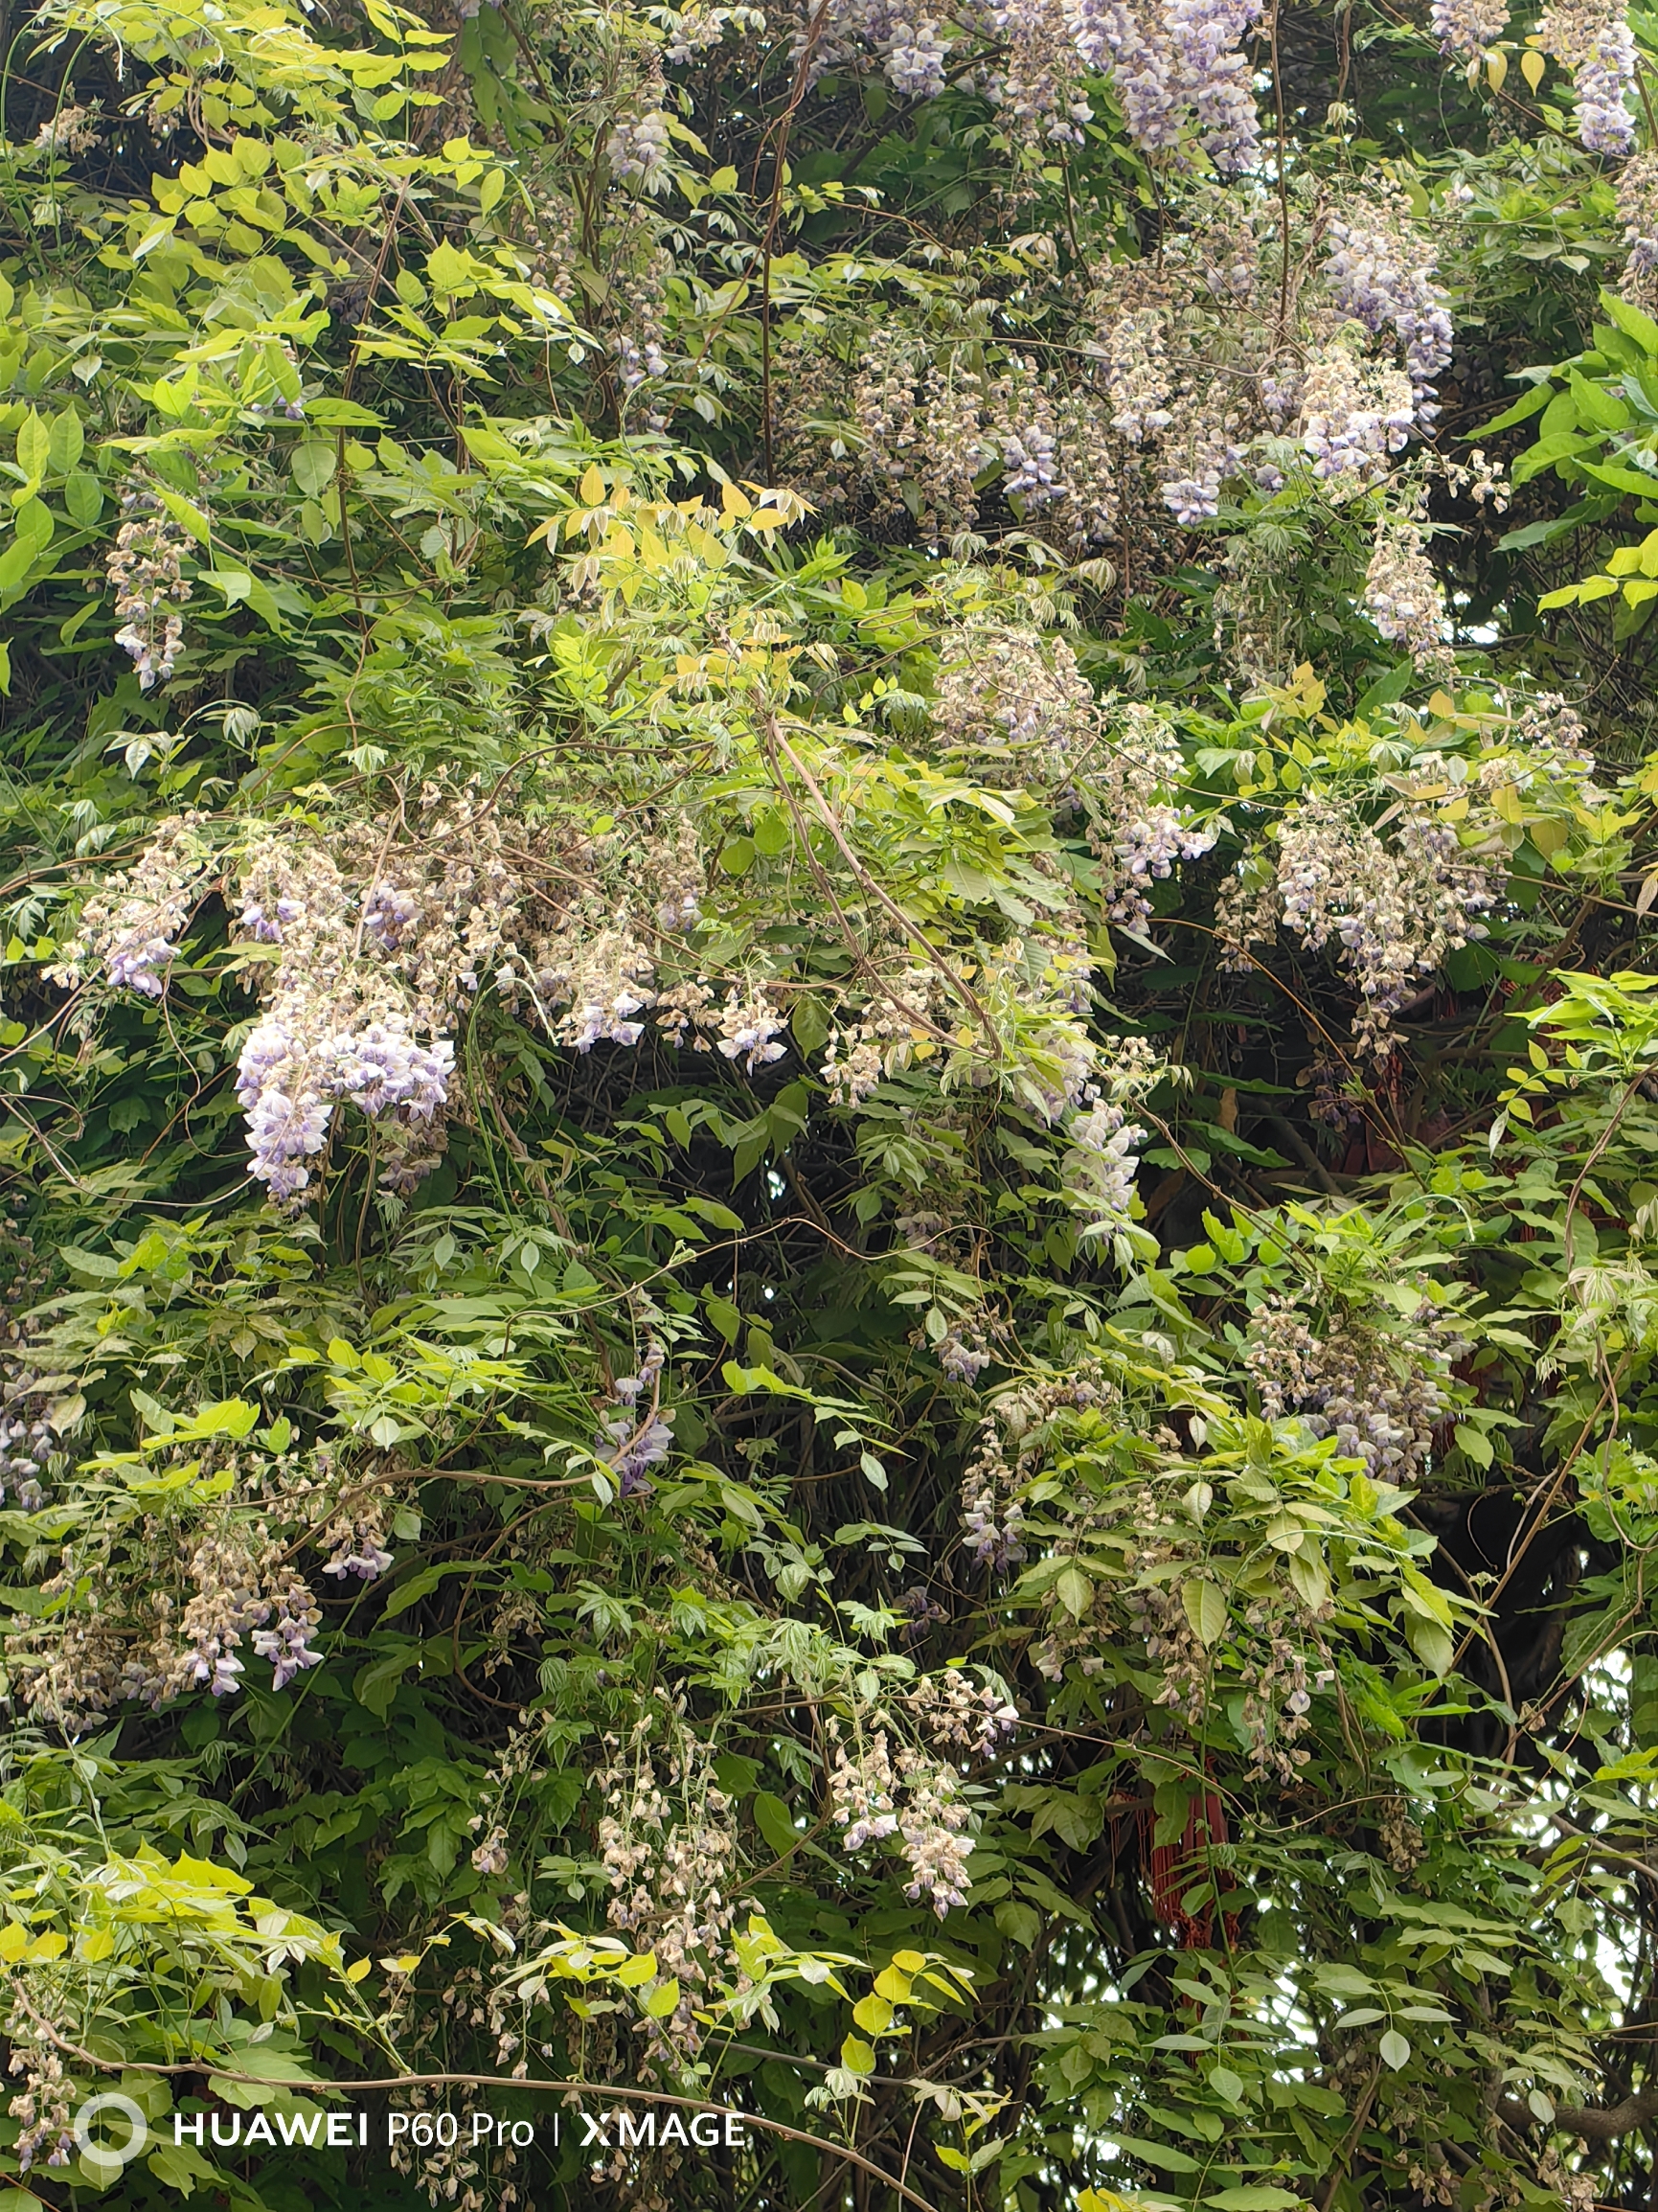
(1467, 29)
(143, 566)
(131, 931)
(1592, 38)
(1393, 908)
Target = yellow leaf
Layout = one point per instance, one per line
(909, 1961)
(1441, 703)
(1531, 68)
(857, 2055)
(874, 2014)
(13, 1940)
(591, 489)
(1496, 68)
(735, 502)
(894, 1986)
(51, 1945)
(357, 1971)
(634, 1971)
(765, 519)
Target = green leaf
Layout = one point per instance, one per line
(376, 1684)
(1205, 1609)
(774, 1822)
(84, 498)
(1022, 1923)
(311, 465)
(1074, 1591)
(1395, 2049)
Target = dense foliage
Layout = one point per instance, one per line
(831, 1145)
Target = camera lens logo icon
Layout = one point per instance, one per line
(110, 2156)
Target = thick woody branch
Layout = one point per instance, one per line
(1595, 2124)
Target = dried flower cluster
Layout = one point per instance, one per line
(72, 131)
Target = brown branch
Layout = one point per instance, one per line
(1595, 2124)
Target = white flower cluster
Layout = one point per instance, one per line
(1403, 597)
(1217, 352)
(915, 1798)
(355, 1543)
(337, 1025)
(1011, 701)
(882, 1040)
(1638, 213)
(1098, 1166)
(1394, 909)
(1380, 273)
(1380, 1388)
(670, 1847)
(962, 1719)
(1356, 413)
(29, 1413)
(143, 566)
(1547, 741)
(43, 2106)
(1127, 799)
(1467, 29)
(240, 1591)
(1592, 38)
(637, 152)
(130, 930)
(1275, 1709)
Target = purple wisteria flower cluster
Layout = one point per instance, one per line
(288, 1087)
(240, 1592)
(1592, 38)
(1467, 29)
(1176, 66)
(875, 1794)
(130, 930)
(632, 1436)
(149, 585)
(1391, 908)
